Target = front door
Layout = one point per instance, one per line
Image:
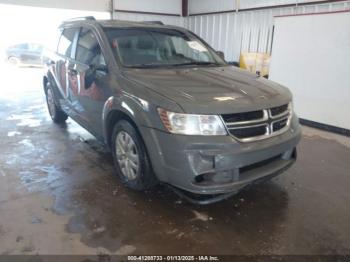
(88, 81)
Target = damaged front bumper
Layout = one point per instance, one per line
(219, 165)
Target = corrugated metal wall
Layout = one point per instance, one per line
(205, 6)
(159, 6)
(233, 33)
(209, 6)
(248, 31)
(242, 4)
(166, 19)
(92, 5)
(156, 6)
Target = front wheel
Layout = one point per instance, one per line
(57, 115)
(14, 61)
(130, 157)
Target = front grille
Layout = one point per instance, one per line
(278, 125)
(260, 124)
(240, 117)
(249, 132)
(275, 111)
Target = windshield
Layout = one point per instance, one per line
(153, 47)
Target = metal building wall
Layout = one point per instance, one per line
(167, 11)
(204, 6)
(155, 6)
(169, 20)
(90, 5)
(243, 4)
(248, 31)
(210, 6)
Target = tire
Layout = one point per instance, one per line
(56, 113)
(133, 153)
(14, 61)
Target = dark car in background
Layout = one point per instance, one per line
(25, 54)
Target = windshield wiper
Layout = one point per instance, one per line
(144, 65)
(169, 65)
(196, 63)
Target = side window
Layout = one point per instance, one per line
(88, 49)
(22, 46)
(66, 42)
(35, 48)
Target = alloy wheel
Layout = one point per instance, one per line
(127, 155)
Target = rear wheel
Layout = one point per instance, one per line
(57, 115)
(13, 61)
(130, 157)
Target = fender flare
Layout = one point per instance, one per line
(123, 107)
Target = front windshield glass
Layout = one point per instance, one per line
(153, 47)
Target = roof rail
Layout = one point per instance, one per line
(154, 22)
(81, 18)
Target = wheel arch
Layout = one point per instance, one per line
(123, 107)
(45, 82)
(48, 79)
(114, 116)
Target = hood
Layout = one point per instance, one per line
(212, 90)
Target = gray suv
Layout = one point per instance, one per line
(170, 108)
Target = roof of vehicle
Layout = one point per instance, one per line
(117, 23)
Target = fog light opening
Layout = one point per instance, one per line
(220, 177)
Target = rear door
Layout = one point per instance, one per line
(89, 80)
(62, 65)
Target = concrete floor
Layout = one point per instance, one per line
(58, 195)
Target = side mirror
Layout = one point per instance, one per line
(221, 54)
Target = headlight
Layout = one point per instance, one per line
(189, 124)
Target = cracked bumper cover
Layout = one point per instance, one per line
(180, 160)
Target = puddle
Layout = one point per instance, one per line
(30, 122)
(41, 178)
(19, 117)
(25, 120)
(26, 142)
(13, 133)
(31, 180)
(39, 106)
